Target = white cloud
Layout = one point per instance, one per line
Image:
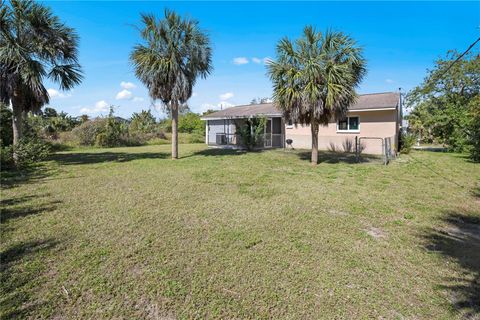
(57, 94)
(123, 95)
(225, 104)
(389, 81)
(194, 94)
(138, 99)
(240, 60)
(226, 96)
(261, 60)
(209, 106)
(100, 106)
(127, 85)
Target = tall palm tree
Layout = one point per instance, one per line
(314, 78)
(34, 45)
(174, 54)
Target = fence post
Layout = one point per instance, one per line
(385, 150)
(356, 148)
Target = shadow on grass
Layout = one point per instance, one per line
(14, 177)
(100, 157)
(12, 208)
(337, 157)
(215, 152)
(476, 192)
(18, 283)
(460, 240)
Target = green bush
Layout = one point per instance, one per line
(86, 133)
(407, 141)
(112, 134)
(197, 137)
(187, 123)
(142, 122)
(190, 123)
(251, 132)
(474, 132)
(28, 151)
(6, 157)
(6, 131)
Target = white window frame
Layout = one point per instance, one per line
(348, 125)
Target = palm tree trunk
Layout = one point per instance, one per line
(17, 118)
(174, 130)
(314, 128)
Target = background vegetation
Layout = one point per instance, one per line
(49, 130)
(445, 108)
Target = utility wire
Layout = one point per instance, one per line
(456, 60)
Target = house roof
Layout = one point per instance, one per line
(365, 102)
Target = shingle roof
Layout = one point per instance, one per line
(364, 101)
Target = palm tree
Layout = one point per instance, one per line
(314, 78)
(174, 54)
(34, 45)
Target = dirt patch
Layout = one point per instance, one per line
(339, 213)
(376, 233)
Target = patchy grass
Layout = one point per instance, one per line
(129, 233)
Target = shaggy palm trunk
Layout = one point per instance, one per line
(314, 128)
(174, 131)
(17, 118)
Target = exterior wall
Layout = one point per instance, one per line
(381, 124)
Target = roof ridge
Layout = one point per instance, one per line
(385, 92)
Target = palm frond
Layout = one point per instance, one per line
(34, 45)
(314, 78)
(174, 53)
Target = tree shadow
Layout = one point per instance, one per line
(337, 157)
(215, 152)
(100, 157)
(18, 283)
(14, 177)
(13, 211)
(476, 192)
(459, 239)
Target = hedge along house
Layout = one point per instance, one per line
(373, 122)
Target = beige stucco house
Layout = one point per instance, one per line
(373, 121)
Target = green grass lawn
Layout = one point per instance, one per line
(128, 233)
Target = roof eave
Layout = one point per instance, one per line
(241, 117)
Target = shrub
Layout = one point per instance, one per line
(251, 132)
(142, 122)
(190, 123)
(348, 145)
(332, 147)
(6, 132)
(187, 123)
(28, 151)
(86, 133)
(407, 141)
(112, 134)
(6, 157)
(474, 134)
(197, 137)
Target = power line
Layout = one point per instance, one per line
(458, 58)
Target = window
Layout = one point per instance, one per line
(349, 124)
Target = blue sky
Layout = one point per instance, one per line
(400, 41)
